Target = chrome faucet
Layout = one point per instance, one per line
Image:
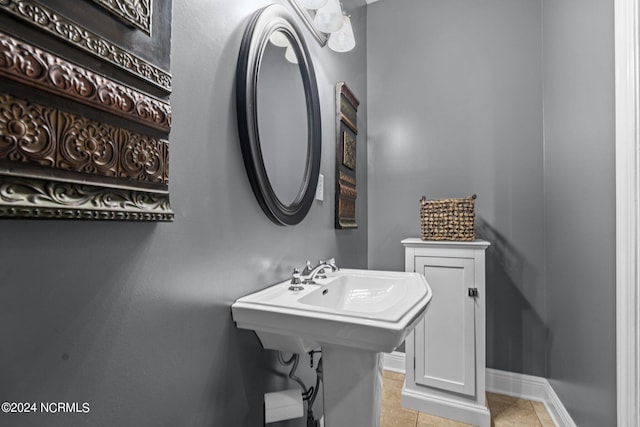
(295, 284)
(309, 274)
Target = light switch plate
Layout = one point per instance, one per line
(320, 188)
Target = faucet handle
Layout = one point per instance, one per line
(295, 283)
(307, 268)
(295, 277)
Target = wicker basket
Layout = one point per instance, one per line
(447, 219)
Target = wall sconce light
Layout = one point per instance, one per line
(279, 39)
(329, 17)
(327, 23)
(290, 55)
(343, 39)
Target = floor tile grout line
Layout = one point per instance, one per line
(529, 405)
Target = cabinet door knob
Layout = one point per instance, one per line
(473, 292)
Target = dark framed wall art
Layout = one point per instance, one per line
(347, 132)
(85, 116)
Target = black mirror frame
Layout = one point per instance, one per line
(263, 23)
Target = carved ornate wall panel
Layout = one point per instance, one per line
(76, 141)
(133, 12)
(35, 67)
(347, 131)
(81, 37)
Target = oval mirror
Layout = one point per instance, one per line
(278, 115)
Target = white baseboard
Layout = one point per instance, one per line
(556, 409)
(530, 388)
(394, 362)
(510, 384)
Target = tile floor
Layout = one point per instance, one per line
(506, 411)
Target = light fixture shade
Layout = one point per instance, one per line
(329, 17)
(290, 55)
(278, 38)
(343, 39)
(312, 4)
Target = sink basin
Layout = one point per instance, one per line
(363, 309)
(353, 315)
(364, 295)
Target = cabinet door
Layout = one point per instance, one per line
(445, 339)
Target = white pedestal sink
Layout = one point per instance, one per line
(353, 315)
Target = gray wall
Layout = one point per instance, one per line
(580, 206)
(455, 108)
(513, 101)
(135, 318)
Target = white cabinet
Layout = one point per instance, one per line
(445, 355)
